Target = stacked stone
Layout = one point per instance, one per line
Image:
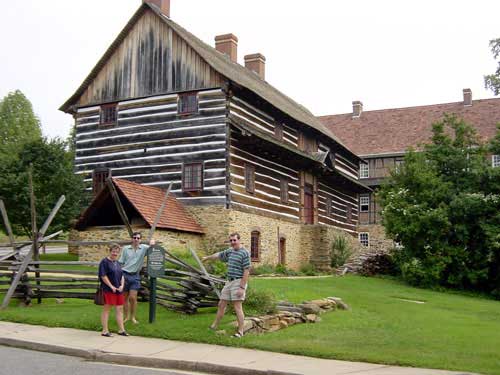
(290, 314)
(356, 262)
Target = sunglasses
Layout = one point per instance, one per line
(233, 240)
(136, 238)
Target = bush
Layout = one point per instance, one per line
(378, 264)
(217, 268)
(260, 301)
(340, 251)
(281, 269)
(308, 270)
(264, 269)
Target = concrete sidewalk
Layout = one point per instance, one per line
(176, 355)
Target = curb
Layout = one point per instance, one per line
(121, 359)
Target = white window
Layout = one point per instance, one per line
(364, 171)
(364, 203)
(495, 161)
(364, 238)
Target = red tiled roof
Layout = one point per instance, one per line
(147, 199)
(395, 130)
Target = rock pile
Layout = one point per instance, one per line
(290, 314)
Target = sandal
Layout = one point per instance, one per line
(212, 328)
(123, 333)
(238, 334)
(107, 334)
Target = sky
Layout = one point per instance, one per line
(323, 54)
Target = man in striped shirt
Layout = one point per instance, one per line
(238, 271)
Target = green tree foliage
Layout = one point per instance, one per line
(492, 81)
(18, 123)
(443, 205)
(53, 176)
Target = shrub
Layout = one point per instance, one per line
(378, 264)
(217, 268)
(281, 269)
(340, 251)
(260, 301)
(308, 270)
(264, 269)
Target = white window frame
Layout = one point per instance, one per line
(364, 170)
(495, 161)
(364, 238)
(365, 198)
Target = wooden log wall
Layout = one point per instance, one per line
(151, 141)
(152, 59)
(346, 166)
(340, 202)
(269, 174)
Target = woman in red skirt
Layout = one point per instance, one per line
(112, 282)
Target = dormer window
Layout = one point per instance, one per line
(188, 103)
(108, 114)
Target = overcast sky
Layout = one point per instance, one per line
(324, 54)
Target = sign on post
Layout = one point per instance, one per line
(156, 268)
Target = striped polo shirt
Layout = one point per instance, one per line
(237, 262)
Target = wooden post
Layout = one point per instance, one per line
(119, 206)
(34, 230)
(158, 214)
(27, 259)
(7, 224)
(204, 270)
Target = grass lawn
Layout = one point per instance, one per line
(448, 331)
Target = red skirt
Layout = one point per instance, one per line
(116, 299)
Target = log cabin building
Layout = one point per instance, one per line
(382, 137)
(162, 107)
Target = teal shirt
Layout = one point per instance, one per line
(132, 260)
(237, 262)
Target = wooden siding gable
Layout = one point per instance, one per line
(148, 58)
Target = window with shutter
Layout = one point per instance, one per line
(192, 177)
(250, 178)
(108, 115)
(255, 246)
(188, 103)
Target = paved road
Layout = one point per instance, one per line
(15, 361)
(49, 250)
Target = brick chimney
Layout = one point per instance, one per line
(256, 63)
(163, 5)
(357, 108)
(467, 97)
(227, 44)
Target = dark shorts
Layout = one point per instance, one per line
(132, 281)
(115, 299)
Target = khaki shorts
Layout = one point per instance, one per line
(229, 291)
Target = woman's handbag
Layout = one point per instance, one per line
(99, 296)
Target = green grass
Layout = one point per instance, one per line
(450, 331)
(65, 257)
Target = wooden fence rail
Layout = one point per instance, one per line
(183, 288)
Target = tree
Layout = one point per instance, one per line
(53, 176)
(18, 123)
(492, 81)
(443, 205)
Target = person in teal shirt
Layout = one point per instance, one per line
(131, 260)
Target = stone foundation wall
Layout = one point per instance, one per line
(378, 241)
(271, 229)
(168, 239)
